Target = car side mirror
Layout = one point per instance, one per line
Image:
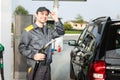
(72, 43)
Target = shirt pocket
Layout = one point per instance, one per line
(37, 43)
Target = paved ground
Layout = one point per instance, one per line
(60, 65)
(70, 36)
(61, 61)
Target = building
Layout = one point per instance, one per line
(76, 25)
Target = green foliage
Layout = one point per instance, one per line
(67, 26)
(73, 31)
(20, 11)
(79, 19)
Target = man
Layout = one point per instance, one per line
(34, 37)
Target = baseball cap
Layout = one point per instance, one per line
(40, 9)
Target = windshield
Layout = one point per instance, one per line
(88, 28)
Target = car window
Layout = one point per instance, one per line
(118, 38)
(88, 38)
(88, 28)
(82, 35)
(113, 46)
(114, 38)
(88, 41)
(113, 56)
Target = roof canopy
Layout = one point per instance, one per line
(59, 0)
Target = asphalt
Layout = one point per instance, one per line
(60, 67)
(61, 63)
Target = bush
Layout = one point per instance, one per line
(67, 26)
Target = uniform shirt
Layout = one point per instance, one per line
(33, 39)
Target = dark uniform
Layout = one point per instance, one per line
(33, 39)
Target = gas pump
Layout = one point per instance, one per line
(1, 61)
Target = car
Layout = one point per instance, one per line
(96, 53)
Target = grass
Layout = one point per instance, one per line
(72, 31)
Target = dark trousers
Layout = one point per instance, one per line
(43, 73)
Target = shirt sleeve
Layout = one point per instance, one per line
(59, 29)
(23, 46)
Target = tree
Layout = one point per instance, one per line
(67, 26)
(79, 19)
(20, 11)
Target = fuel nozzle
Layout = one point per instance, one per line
(1, 50)
(1, 61)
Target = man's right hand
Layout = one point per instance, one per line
(39, 56)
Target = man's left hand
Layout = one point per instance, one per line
(54, 16)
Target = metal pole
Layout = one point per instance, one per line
(55, 6)
(59, 41)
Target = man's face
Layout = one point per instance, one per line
(42, 16)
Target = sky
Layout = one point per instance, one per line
(69, 10)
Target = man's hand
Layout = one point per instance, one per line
(54, 16)
(39, 56)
